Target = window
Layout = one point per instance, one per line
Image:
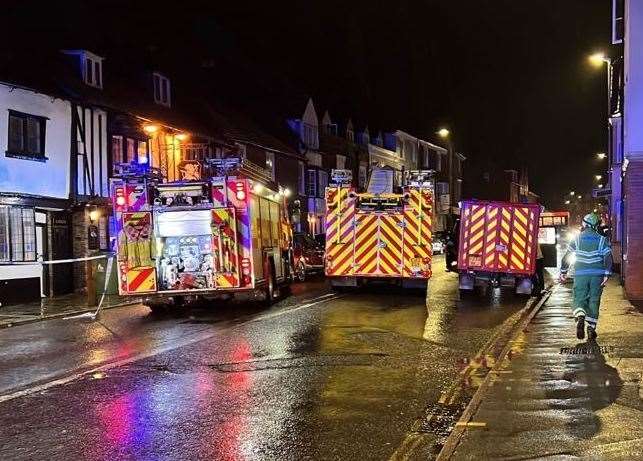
(350, 135)
(341, 162)
(310, 136)
(618, 21)
(117, 149)
(131, 150)
(311, 184)
(17, 234)
(142, 152)
(264, 209)
(26, 136)
(270, 164)
(302, 178)
(161, 89)
(93, 71)
(323, 183)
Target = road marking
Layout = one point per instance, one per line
(189, 340)
(471, 424)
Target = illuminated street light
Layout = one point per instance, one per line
(598, 177)
(150, 128)
(443, 133)
(598, 59)
(287, 192)
(601, 155)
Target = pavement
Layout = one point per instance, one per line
(555, 397)
(55, 307)
(318, 375)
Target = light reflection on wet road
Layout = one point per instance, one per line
(343, 379)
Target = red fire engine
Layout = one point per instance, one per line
(189, 240)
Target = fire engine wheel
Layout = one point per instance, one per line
(270, 290)
(158, 309)
(301, 272)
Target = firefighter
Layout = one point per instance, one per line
(593, 266)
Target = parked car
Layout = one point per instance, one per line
(309, 256)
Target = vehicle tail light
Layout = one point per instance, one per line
(119, 193)
(245, 266)
(240, 191)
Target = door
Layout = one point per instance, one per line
(390, 238)
(366, 243)
(62, 277)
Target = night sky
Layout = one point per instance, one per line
(510, 78)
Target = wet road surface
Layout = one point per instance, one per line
(319, 375)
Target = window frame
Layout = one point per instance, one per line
(24, 153)
(93, 71)
(311, 182)
(26, 240)
(161, 89)
(302, 178)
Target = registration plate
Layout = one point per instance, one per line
(475, 260)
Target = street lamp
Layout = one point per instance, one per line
(598, 59)
(598, 177)
(601, 155)
(443, 133)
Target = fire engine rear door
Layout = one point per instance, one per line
(390, 239)
(225, 252)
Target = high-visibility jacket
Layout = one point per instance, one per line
(593, 254)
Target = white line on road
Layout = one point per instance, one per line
(192, 339)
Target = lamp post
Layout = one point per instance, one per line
(445, 134)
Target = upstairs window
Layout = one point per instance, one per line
(311, 184)
(161, 89)
(618, 21)
(302, 178)
(93, 70)
(310, 136)
(26, 136)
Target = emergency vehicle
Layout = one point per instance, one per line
(498, 245)
(381, 234)
(184, 241)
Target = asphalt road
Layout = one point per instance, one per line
(316, 376)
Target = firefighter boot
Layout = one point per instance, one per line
(580, 327)
(591, 333)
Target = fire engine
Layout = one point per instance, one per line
(184, 241)
(498, 245)
(381, 234)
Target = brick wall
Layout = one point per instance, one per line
(634, 230)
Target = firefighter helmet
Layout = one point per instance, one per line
(591, 220)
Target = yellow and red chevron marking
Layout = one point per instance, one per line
(223, 218)
(417, 242)
(498, 237)
(365, 244)
(339, 217)
(391, 243)
(339, 231)
(226, 280)
(141, 280)
(492, 229)
(519, 252)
